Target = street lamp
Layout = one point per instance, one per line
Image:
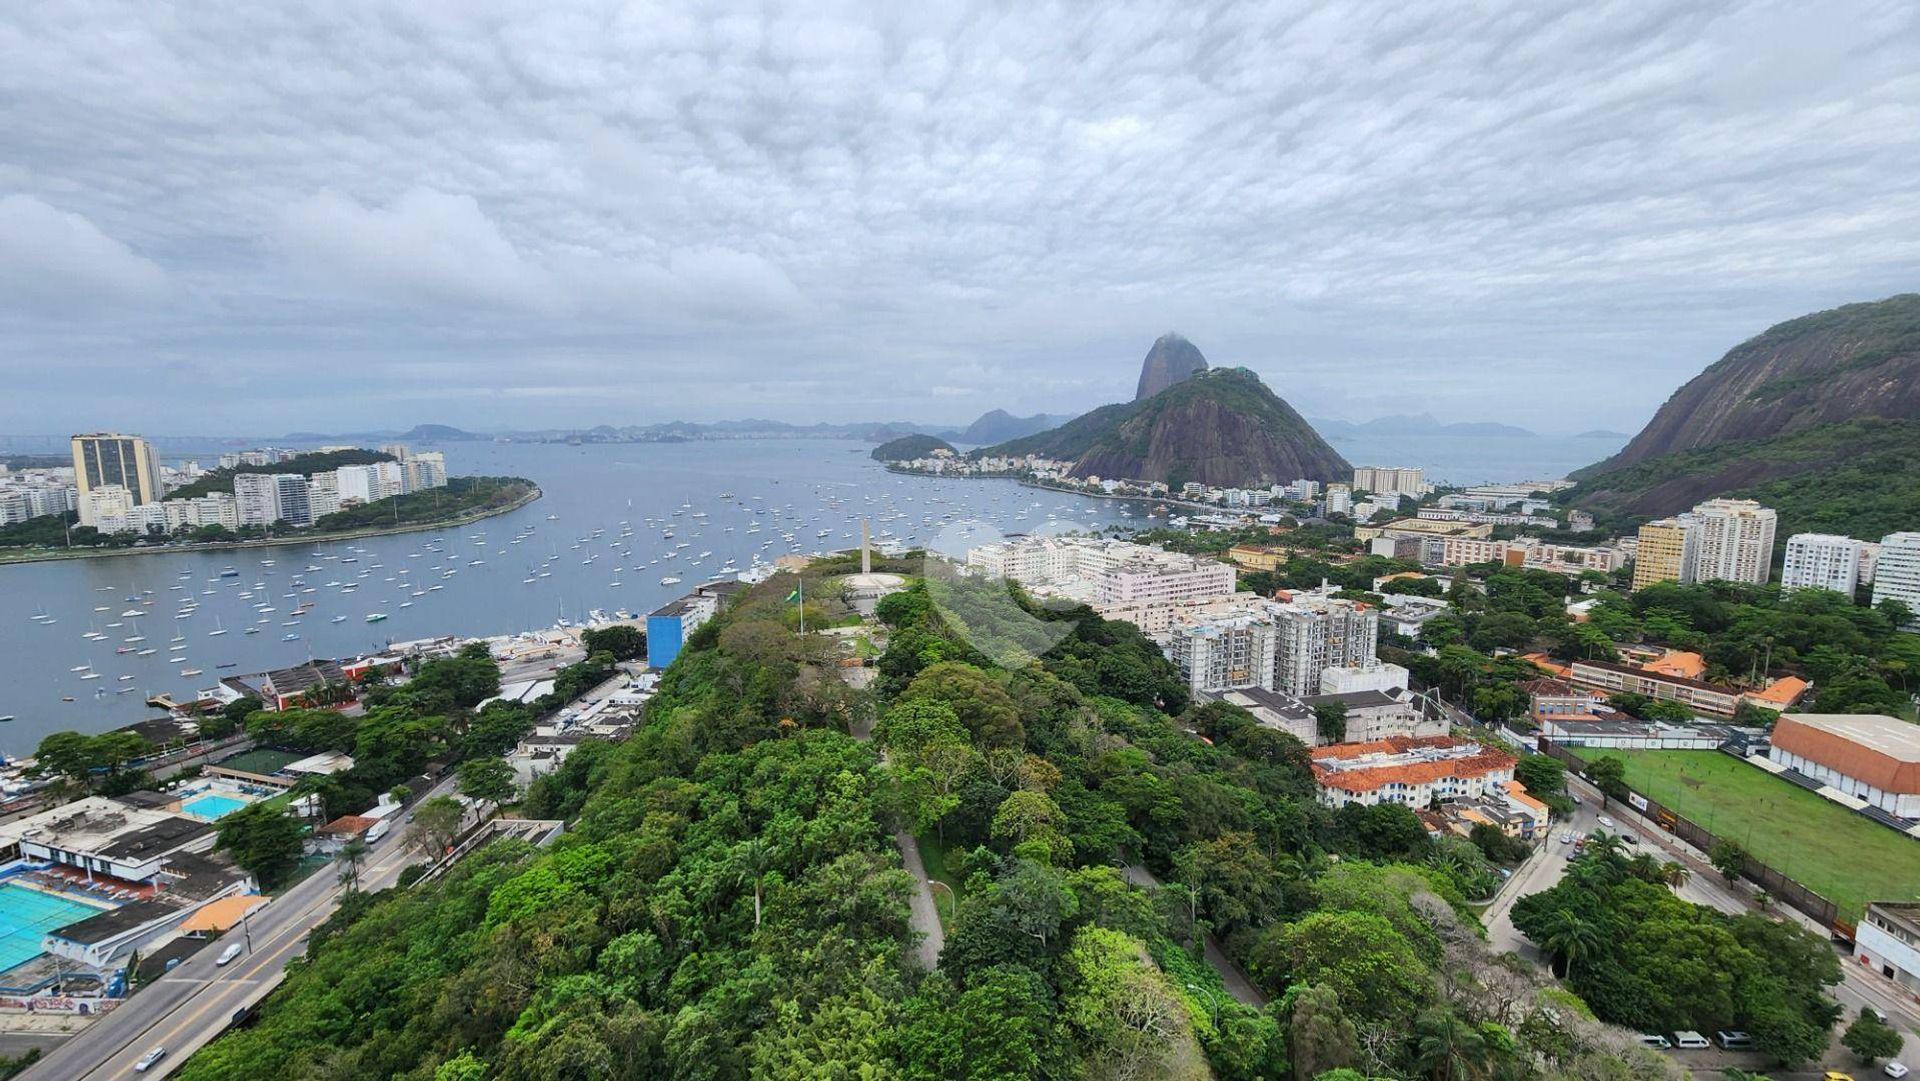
(1213, 1003)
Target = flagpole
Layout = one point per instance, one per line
(803, 605)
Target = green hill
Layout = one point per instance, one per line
(1818, 417)
(909, 447)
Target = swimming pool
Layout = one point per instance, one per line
(211, 807)
(28, 914)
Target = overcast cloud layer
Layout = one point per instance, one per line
(254, 217)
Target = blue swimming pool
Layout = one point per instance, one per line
(211, 807)
(26, 915)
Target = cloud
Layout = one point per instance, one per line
(727, 209)
(55, 262)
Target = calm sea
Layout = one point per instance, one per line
(723, 501)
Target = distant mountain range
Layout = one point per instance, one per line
(1416, 424)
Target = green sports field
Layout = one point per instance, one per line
(1828, 848)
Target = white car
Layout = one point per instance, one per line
(147, 1060)
(227, 955)
(1566, 838)
(1894, 1069)
(1607, 822)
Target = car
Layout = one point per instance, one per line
(1734, 1040)
(147, 1060)
(1656, 1041)
(1894, 1068)
(227, 955)
(1876, 1013)
(1836, 1075)
(1575, 797)
(1690, 1040)
(1606, 822)
(1573, 854)
(1629, 839)
(1566, 837)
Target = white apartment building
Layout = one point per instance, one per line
(1736, 541)
(323, 494)
(1896, 574)
(357, 484)
(1822, 561)
(1377, 676)
(1152, 577)
(257, 498)
(1317, 631)
(1384, 480)
(1339, 499)
(106, 507)
(1105, 573)
(1225, 652)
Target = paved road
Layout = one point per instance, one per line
(1235, 981)
(189, 1006)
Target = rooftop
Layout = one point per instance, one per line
(1890, 736)
(115, 922)
(107, 828)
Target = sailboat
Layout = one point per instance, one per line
(217, 630)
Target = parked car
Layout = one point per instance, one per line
(1655, 1041)
(1575, 797)
(1734, 1040)
(1572, 854)
(147, 1060)
(232, 951)
(1836, 1075)
(1690, 1040)
(1894, 1068)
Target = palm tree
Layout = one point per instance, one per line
(352, 854)
(1572, 938)
(1675, 874)
(755, 857)
(1448, 1048)
(1606, 846)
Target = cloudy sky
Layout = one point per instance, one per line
(253, 217)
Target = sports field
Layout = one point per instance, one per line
(1828, 848)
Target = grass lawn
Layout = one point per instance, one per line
(1825, 846)
(934, 856)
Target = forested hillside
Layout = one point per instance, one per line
(728, 901)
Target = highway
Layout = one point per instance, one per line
(194, 1003)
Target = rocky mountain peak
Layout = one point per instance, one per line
(1171, 360)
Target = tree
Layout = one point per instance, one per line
(265, 840)
(1609, 775)
(352, 855)
(436, 822)
(1330, 721)
(1729, 859)
(1572, 939)
(622, 641)
(1542, 775)
(1320, 1037)
(1446, 1047)
(489, 780)
(1871, 1039)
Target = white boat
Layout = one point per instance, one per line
(669, 581)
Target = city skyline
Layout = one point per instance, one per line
(557, 219)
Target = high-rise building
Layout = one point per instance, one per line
(257, 498)
(107, 458)
(1317, 631)
(1666, 553)
(290, 493)
(106, 507)
(1225, 652)
(323, 493)
(1389, 480)
(1339, 499)
(427, 469)
(1896, 575)
(1736, 541)
(1822, 561)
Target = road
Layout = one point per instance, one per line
(189, 1006)
(1858, 986)
(1235, 981)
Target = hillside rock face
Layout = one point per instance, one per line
(1171, 360)
(1861, 360)
(1219, 427)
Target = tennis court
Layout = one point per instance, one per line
(28, 914)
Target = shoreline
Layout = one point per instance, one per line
(1171, 501)
(50, 555)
